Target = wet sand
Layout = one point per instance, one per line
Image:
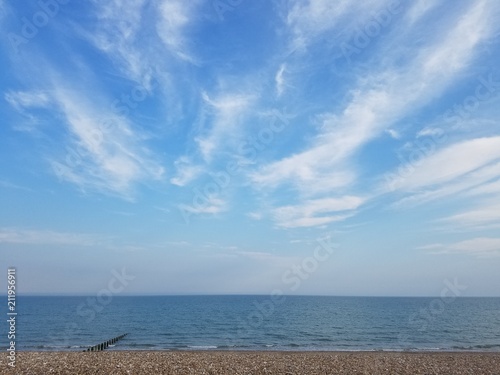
(242, 362)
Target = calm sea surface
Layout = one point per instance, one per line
(256, 323)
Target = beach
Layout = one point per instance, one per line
(252, 362)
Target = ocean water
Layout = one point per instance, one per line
(257, 323)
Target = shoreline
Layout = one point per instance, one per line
(223, 350)
(253, 362)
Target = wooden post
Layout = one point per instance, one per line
(105, 344)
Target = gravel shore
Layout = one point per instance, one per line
(239, 362)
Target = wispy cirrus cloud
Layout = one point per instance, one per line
(116, 34)
(490, 188)
(225, 114)
(317, 211)
(21, 100)
(24, 102)
(469, 184)
(480, 247)
(482, 215)
(379, 101)
(175, 16)
(186, 171)
(108, 159)
(10, 185)
(47, 237)
(455, 168)
(309, 19)
(211, 205)
(120, 30)
(280, 80)
(97, 156)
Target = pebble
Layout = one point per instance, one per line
(254, 363)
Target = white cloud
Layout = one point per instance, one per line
(393, 133)
(316, 212)
(434, 246)
(483, 215)
(457, 47)
(280, 80)
(212, 205)
(452, 162)
(119, 33)
(255, 215)
(309, 19)
(485, 189)
(419, 9)
(46, 237)
(10, 185)
(378, 102)
(115, 33)
(225, 127)
(175, 16)
(311, 172)
(260, 256)
(21, 100)
(186, 171)
(102, 157)
(6, 12)
(480, 246)
(473, 183)
(429, 132)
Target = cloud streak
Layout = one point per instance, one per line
(175, 16)
(479, 247)
(379, 101)
(227, 111)
(317, 212)
(110, 159)
(47, 237)
(451, 170)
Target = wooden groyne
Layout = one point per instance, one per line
(105, 344)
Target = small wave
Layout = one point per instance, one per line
(135, 345)
(324, 339)
(202, 347)
(52, 348)
(476, 347)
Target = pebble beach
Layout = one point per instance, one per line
(243, 362)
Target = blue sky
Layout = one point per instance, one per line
(237, 146)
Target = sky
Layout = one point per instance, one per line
(250, 147)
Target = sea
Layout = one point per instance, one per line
(277, 322)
